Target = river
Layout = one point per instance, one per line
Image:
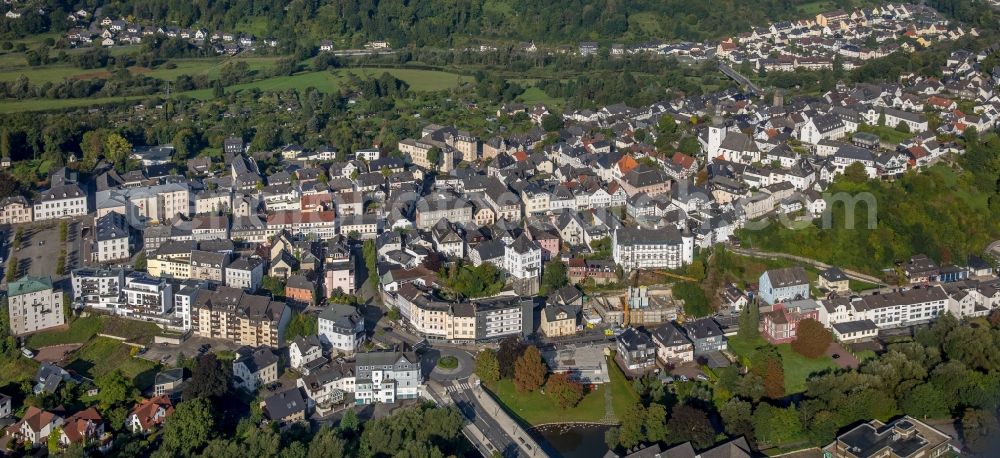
(574, 440)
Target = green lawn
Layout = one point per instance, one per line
(83, 329)
(80, 330)
(419, 80)
(536, 408)
(103, 355)
(15, 369)
(797, 367)
(622, 394)
(534, 95)
(887, 133)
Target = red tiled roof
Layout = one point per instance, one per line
(682, 160)
(77, 425)
(282, 217)
(147, 409)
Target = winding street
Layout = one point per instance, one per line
(854, 275)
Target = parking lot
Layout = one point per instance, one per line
(167, 354)
(40, 248)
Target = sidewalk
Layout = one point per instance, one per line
(508, 424)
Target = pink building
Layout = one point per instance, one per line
(547, 238)
(781, 323)
(338, 275)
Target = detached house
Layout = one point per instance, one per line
(149, 414)
(782, 323)
(672, 346)
(778, 285)
(254, 368)
(35, 426)
(636, 351)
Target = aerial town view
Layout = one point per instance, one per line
(500, 228)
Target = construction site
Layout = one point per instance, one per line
(647, 301)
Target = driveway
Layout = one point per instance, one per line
(156, 352)
(841, 357)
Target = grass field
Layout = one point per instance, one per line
(15, 369)
(797, 368)
(103, 355)
(887, 133)
(533, 95)
(536, 408)
(13, 66)
(419, 80)
(85, 328)
(80, 330)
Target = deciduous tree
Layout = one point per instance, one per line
(529, 370)
(689, 423)
(811, 338)
(565, 391)
(487, 365)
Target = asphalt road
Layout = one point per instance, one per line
(465, 399)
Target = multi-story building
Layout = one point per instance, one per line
(580, 269)
(33, 305)
(145, 295)
(386, 376)
(61, 201)
(98, 288)
(213, 201)
(430, 210)
(208, 265)
(833, 280)
(112, 238)
(245, 273)
(15, 210)
(706, 335)
(503, 316)
(887, 310)
(903, 437)
(523, 261)
(254, 368)
(778, 285)
(342, 327)
(231, 314)
(486, 319)
(636, 351)
(147, 204)
(672, 346)
(320, 224)
(781, 324)
(338, 275)
(560, 320)
(638, 248)
(303, 351)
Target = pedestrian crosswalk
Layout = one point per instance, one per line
(456, 388)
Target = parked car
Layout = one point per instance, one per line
(27, 352)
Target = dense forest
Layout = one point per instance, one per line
(945, 213)
(430, 22)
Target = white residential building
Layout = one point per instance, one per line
(112, 238)
(60, 202)
(342, 327)
(637, 248)
(33, 305)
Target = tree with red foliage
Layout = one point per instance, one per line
(811, 339)
(529, 370)
(774, 379)
(565, 391)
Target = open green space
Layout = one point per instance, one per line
(83, 329)
(797, 368)
(103, 355)
(887, 133)
(419, 80)
(16, 369)
(534, 95)
(536, 408)
(79, 331)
